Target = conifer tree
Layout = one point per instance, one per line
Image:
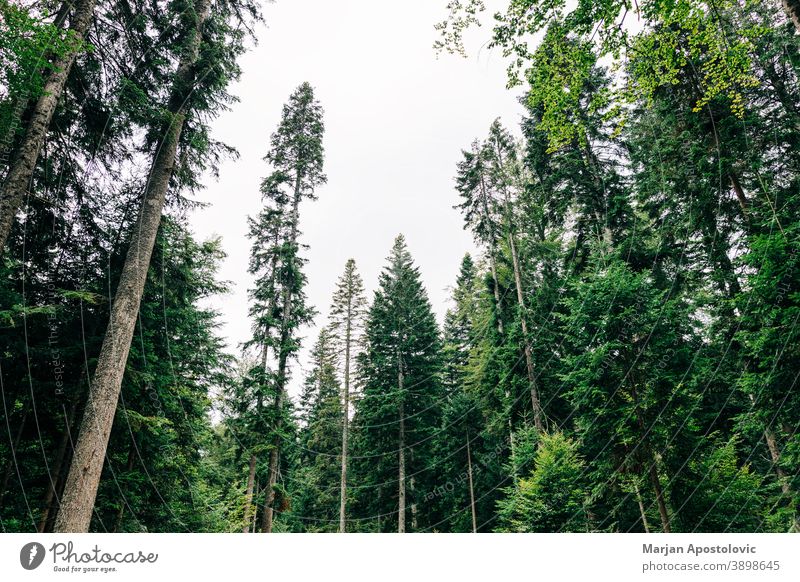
(296, 157)
(346, 327)
(398, 412)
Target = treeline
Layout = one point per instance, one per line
(622, 355)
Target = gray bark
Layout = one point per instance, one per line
(345, 419)
(641, 508)
(775, 455)
(84, 476)
(401, 474)
(534, 389)
(471, 488)
(248, 504)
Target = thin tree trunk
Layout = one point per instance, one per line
(87, 463)
(252, 525)
(345, 419)
(537, 407)
(20, 172)
(55, 478)
(414, 513)
(401, 475)
(792, 8)
(775, 455)
(274, 454)
(662, 506)
(471, 488)
(12, 461)
(641, 508)
(652, 470)
(739, 191)
(248, 504)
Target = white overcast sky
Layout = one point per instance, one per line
(396, 119)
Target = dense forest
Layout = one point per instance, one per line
(620, 355)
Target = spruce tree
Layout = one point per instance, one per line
(346, 326)
(399, 411)
(296, 157)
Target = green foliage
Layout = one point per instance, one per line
(552, 497)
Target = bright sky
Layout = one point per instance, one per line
(396, 119)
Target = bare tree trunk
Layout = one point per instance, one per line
(345, 419)
(19, 175)
(248, 504)
(538, 420)
(775, 455)
(471, 488)
(12, 461)
(537, 407)
(792, 8)
(662, 506)
(55, 478)
(651, 461)
(252, 525)
(641, 508)
(274, 454)
(401, 475)
(84, 476)
(740, 195)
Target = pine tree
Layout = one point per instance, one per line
(346, 326)
(398, 412)
(296, 156)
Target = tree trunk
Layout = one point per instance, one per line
(55, 478)
(792, 8)
(641, 508)
(401, 474)
(345, 419)
(471, 488)
(662, 506)
(87, 463)
(248, 504)
(651, 461)
(274, 454)
(740, 195)
(537, 407)
(775, 455)
(21, 170)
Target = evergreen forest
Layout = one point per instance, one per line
(621, 347)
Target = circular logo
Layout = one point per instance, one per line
(31, 555)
